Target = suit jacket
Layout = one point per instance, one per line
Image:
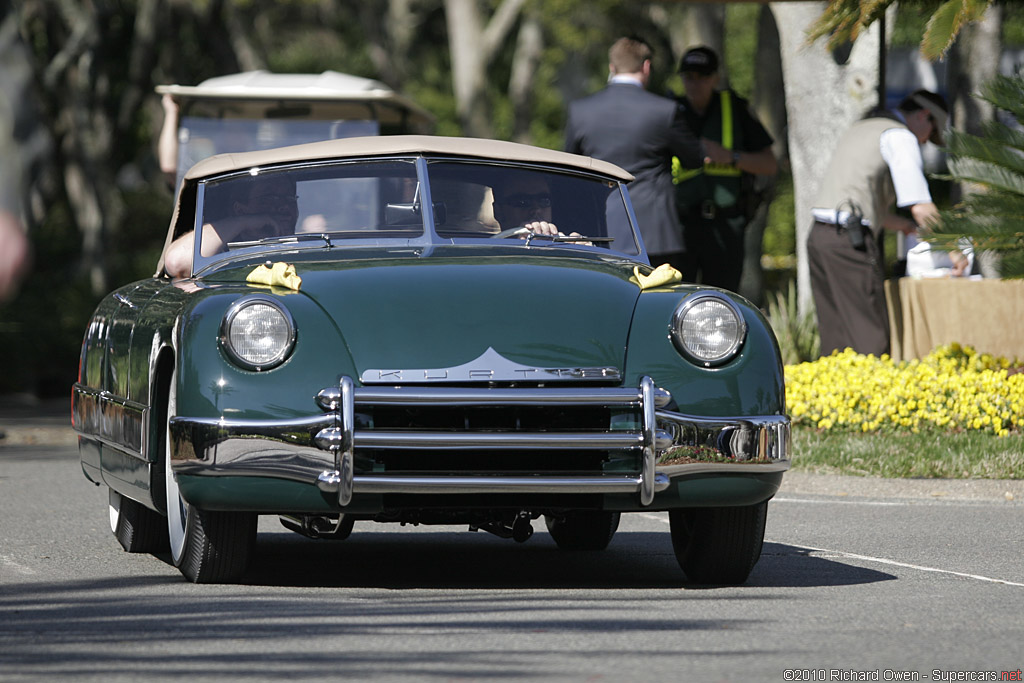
(641, 132)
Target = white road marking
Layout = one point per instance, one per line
(894, 563)
(869, 558)
(888, 503)
(8, 563)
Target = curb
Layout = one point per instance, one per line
(840, 486)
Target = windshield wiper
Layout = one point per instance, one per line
(529, 236)
(525, 233)
(284, 239)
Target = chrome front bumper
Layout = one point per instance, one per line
(321, 449)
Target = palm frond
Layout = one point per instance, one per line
(1006, 93)
(947, 22)
(986, 174)
(843, 20)
(993, 234)
(1000, 132)
(986, 150)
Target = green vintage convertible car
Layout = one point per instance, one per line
(425, 330)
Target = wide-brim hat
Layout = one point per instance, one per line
(935, 105)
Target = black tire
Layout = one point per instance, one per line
(137, 528)
(217, 545)
(583, 529)
(206, 546)
(718, 545)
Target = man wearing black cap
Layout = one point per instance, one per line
(632, 127)
(875, 170)
(715, 202)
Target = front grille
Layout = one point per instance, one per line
(493, 421)
(412, 438)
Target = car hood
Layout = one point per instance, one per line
(429, 316)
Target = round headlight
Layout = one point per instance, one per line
(708, 328)
(258, 333)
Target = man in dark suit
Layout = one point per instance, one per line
(641, 132)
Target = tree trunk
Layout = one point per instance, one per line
(389, 38)
(472, 48)
(765, 100)
(464, 34)
(525, 60)
(771, 111)
(825, 93)
(705, 25)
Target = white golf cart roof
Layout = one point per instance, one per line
(261, 94)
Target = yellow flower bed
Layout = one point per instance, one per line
(953, 388)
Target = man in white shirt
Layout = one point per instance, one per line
(876, 169)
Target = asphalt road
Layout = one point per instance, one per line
(859, 578)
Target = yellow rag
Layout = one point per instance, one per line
(279, 274)
(662, 275)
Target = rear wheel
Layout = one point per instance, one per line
(206, 546)
(583, 529)
(137, 528)
(718, 545)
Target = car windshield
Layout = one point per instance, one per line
(401, 202)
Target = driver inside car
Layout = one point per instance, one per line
(525, 202)
(259, 208)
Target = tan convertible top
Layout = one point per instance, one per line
(386, 145)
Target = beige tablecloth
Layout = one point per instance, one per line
(985, 314)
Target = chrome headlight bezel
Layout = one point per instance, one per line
(280, 354)
(683, 316)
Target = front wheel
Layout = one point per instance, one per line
(718, 545)
(583, 529)
(206, 546)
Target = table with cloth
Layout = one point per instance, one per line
(924, 313)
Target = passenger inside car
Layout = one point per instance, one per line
(258, 208)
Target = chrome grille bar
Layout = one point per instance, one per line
(498, 396)
(370, 483)
(498, 440)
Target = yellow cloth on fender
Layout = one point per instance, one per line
(662, 275)
(279, 274)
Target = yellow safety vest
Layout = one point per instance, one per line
(680, 174)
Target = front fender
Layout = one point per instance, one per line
(752, 383)
(211, 385)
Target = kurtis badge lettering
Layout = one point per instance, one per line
(491, 366)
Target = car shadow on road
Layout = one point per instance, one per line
(459, 559)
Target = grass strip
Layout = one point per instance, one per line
(963, 455)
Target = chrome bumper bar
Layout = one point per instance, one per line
(321, 449)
